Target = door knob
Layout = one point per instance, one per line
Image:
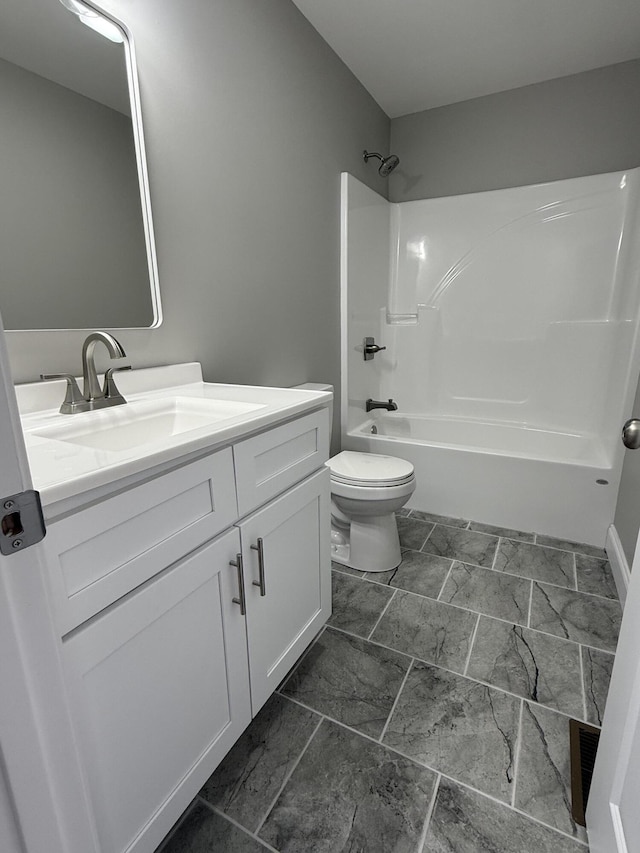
(631, 434)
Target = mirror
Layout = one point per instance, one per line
(76, 235)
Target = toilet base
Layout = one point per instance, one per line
(369, 544)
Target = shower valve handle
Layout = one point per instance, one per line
(370, 348)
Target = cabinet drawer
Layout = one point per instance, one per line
(271, 462)
(101, 553)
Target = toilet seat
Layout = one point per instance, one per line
(371, 470)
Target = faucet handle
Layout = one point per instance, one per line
(73, 397)
(111, 391)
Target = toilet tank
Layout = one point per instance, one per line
(319, 386)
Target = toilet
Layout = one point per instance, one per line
(367, 489)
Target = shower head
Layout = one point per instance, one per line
(387, 164)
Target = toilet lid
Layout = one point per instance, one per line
(369, 469)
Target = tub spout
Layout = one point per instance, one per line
(378, 404)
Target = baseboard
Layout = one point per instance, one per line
(619, 565)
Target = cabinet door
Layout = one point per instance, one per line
(294, 534)
(161, 692)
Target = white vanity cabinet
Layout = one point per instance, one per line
(284, 556)
(182, 602)
(160, 689)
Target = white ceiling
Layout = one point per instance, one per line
(413, 55)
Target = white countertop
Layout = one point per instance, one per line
(63, 469)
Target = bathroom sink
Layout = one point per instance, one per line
(170, 414)
(145, 423)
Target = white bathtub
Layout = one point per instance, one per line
(508, 475)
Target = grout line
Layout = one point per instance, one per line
(288, 776)
(471, 642)
(530, 606)
(236, 823)
(342, 571)
(395, 701)
(295, 666)
(475, 612)
(584, 689)
(452, 671)
(427, 819)
(445, 775)
(575, 572)
(500, 572)
(516, 759)
(444, 582)
(428, 535)
(495, 556)
(384, 610)
(185, 814)
(578, 591)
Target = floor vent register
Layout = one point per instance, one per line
(584, 745)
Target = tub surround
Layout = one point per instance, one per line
(510, 324)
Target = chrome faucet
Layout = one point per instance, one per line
(377, 404)
(93, 396)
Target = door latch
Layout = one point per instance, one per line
(21, 522)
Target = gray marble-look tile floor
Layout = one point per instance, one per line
(431, 714)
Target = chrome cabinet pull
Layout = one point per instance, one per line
(237, 563)
(261, 583)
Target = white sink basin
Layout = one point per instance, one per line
(171, 413)
(146, 423)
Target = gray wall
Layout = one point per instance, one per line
(249, 118)
(70, 214)
(579, 125)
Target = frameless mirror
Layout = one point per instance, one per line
(76, 236)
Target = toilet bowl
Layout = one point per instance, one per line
(367, 489)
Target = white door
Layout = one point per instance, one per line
(613, 813)
(42, 798)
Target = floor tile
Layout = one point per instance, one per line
(464, 545)
(543, 785)
(586, 619)
(485, 591)
(357, 605)
(533, 561)
(533, 665)
(427, 629)
(439, 519)
(251, 775)
(349, 794)
(597, 667)
(595, 576)
(457, 726)
(347, 570)
(567, 545)
(413, 532)
(203, 831)
(507, 532)
(349, 679)
(418, 572)
(381, 577)
(402, 512)
(464, 821)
